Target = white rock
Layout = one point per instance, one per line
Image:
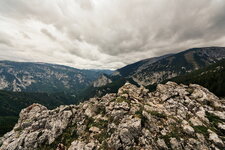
(214, 138)
(195, 121)
(162, 144)
(175, 144)
(94, 129)
(221, 126)
(188, 129)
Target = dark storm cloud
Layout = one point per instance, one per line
(108, 33)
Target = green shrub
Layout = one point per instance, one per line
(158, 114)
(89, 122)
(122, 99)
(102, 124)
(201, 129)
(214, 119)
(104, 146)
(100, 109)
(140, 115)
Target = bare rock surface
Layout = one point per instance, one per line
(173, 117)
(102, 81)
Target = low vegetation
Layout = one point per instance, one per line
(201, 129)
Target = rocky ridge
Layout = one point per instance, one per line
(155, 70)
(102, 81)
(173, 117)
(43, 77)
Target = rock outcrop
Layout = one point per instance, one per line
(173, 117)
(102, 81)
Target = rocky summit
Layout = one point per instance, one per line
(172, 117)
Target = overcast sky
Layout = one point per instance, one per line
(106, 34)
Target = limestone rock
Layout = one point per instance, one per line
(94, 129)
(221, 126)
(175, 144)
(188, 129)
(101, 81)
(172, 117)
(162, 144)
(79, 145)
(214, 137)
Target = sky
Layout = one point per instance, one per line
(106, 34)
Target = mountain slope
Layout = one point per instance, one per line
(172, 117)
(211, 77)
(132, 68)
(42, 77)
(157, 70)
(11, 104)
(102, 81)
(169, 66)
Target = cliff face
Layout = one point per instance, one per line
(173, 117)
(102, 81)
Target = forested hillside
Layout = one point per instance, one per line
(211, 77)
(11, 104)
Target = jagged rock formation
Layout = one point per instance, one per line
(173, 117)
(102, 81)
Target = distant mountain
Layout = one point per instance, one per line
(103, 71)
(155, 70)
(130, 69)
(211, 77)
(24, 83)
(151, 71)
(43, 77)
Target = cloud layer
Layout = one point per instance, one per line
(106, 33)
